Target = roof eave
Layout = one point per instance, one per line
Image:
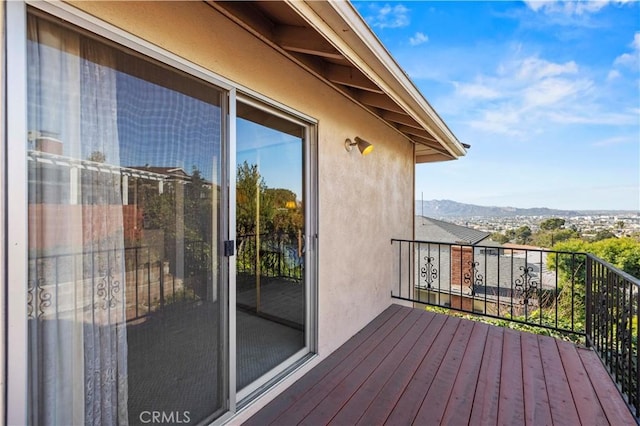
(342, 25)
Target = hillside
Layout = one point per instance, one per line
(448, 208)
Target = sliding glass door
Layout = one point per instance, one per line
(126, 281)
(271, 287)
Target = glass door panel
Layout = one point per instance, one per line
(126, 282)
(270, 228)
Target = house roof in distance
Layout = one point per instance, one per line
(429, 229)
(332, 41)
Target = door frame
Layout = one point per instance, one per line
(309, 189)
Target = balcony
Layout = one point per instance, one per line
(411, 366)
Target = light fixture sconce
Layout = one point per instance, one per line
(364, 146)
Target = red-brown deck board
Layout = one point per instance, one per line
(414, 367)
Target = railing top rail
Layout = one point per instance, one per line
(442, 243)
(630, 278)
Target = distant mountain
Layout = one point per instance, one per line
(448, 208)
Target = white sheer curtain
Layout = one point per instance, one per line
(77, 328)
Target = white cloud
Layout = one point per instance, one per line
(580, 116)
(570, 7)
(613, 75)
(526, 94)
(537, 5)
(553, 91)
(626, 59)
(535, 68)
(418, 38)
(636, 41)
(615, 140)
(630, 59)
(476, 91)
(388, 16)
(501, 120)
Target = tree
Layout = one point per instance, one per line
(288, 217)
(623, 253)
(552, 224)
(250, 187)
(499, 237)
(523, 235)
(603, 235)
(552, 237)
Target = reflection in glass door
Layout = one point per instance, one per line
(270, 227)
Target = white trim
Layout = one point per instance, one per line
(276, 108)
(311, 230)
(16, 231)
(3, 216)
(233, 171)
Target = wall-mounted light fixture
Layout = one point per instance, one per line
(364, 146)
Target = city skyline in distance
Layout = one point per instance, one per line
(450, 208)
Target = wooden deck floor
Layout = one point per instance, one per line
(414, 367)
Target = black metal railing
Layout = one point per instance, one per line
(138, 280)
(522, 285)
(567, 293)
(612, 326)
(279, 255)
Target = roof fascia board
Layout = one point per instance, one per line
(366, 52)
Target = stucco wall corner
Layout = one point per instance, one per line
(364, 202)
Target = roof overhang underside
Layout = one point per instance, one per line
(332, 41)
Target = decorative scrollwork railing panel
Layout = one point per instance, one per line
(127, 279)
(429, 271)
(526, 286)
(473, 278)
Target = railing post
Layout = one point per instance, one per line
(161, 272)
(589, 295)
(399, 268)
(637, 314)
(280, 250)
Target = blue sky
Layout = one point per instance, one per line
(546, 93)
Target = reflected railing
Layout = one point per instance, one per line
(151, 282)
(279, 255)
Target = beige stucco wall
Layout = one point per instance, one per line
(363, 201)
